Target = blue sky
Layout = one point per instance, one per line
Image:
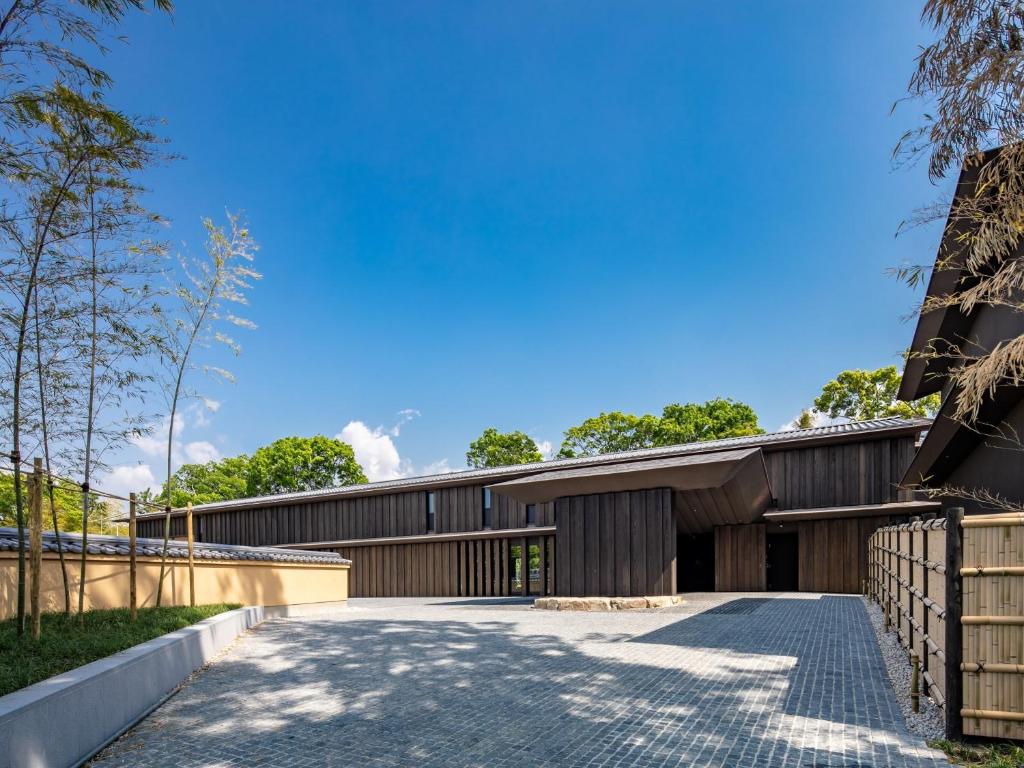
(521, 214)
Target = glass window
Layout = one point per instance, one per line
(431, 517)
(531, 514)
(535, 585)
(515, 568)
(487, 507)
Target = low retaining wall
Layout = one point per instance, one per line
(223, 574)
(65, 720)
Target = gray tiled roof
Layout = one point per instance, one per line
(98, 544)
(796, 436)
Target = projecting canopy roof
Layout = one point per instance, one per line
(710, 489)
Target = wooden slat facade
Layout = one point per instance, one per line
(606, 544)
(463, 568)
(740, 558)
(844, 474)
(616, 544)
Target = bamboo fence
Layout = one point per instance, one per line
(953, 591)
(993, 626)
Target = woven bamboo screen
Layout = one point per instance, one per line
(993, 626)
(908, 579)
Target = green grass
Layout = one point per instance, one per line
(982, 755)
(64, 645)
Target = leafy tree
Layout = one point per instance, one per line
(205, 483)
(302, 464)
(609, 433)
(501, 449)
(712, 420)
(860, 394)
(65, 504)
(687, 423)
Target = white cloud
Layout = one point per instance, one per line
(404, 417)
(545, 448)
(378, 455)
(201, 451)
(374, 450)
(200, 409)
(154, 443)
(128, 478)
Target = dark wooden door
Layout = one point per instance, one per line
(782, 562)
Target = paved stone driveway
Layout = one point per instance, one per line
(726, 680)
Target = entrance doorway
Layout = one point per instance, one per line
(782, 562)
(695, 562)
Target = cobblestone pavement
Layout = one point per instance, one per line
(724, 680)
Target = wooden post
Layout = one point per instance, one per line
(191, 560)
(915, 681)
(133, 596)
(954, 633)
(35, 545)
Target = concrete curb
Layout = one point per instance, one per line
(65, 720)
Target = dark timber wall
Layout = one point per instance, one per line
(740, 558)
(609, 544)
(841, 475)
(466, 568)
(616, 544)
(459, 508)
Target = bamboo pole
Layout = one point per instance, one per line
(954, 632)
(133, 597)
(191, 558)
(1015, 621)
(915, 681)
(1012, 519)
(1012, 669)
(35, 545)
(994, 570)
(991, 714)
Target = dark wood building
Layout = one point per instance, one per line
(986, 454)
(782, 511)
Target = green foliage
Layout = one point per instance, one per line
(713, 420)
(288, 464)
(67, 500)
(690, 422)
(610, 432)
(981, 755)
(501, 449)
(209, 482)
(302, 464)
(65, 644)
(860, 394)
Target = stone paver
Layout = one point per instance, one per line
(725, 680)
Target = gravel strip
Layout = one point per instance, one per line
(930, 721)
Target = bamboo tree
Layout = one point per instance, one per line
(971, 77)
(203, 294)
(48, 464)
(41, 42)
(90, 407)
(50, 203)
